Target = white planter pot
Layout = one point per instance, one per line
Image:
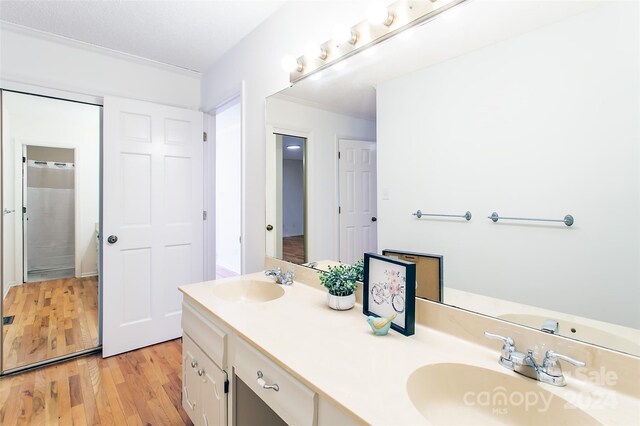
(341, 303)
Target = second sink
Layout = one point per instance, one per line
(461, 394)
(248, 291)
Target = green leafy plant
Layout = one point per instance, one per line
(341, 280)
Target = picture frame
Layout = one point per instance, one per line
(429, 272)
(389, 287)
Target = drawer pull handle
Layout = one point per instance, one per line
(200, 372)
(264, 384)
(194, 363)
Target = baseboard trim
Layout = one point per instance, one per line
(6, 289)
(89, 274)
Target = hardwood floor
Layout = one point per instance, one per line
(141, 387)
(293, 249)
(52, 318)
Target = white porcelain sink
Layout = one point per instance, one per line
(578, 331)
(248, 291)
(460, 394)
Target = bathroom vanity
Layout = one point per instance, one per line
(283, 355)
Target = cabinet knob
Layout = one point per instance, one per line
(194, 363)
(200, 372)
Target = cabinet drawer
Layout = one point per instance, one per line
(293, 402)
(211, 338)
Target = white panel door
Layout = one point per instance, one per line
(358, 230)
(152, 204)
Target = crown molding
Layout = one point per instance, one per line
(54, 38)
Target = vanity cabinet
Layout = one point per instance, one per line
(255, 391)
(291, 400)
(205, 385)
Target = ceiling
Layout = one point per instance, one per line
(187, 34)
(349, 88)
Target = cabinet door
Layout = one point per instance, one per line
(213, 399)
(190, 379)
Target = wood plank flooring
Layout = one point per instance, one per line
(293, 249)
(141, 387)
(52, 318)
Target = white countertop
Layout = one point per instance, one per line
(336, 354)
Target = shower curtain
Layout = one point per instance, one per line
(50, 217)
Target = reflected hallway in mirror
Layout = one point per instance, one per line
(50, 229)
(292, 208)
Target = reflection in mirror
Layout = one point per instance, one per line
(50, 187)
(532, 111)
(291, 190)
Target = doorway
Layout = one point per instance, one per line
(293, 197)
(228, 193)
(48, 216)
(50, 222)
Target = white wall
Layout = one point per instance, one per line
(292, 198)
(542, 125)
(39, 121)
(35, 61)
(324, 129)
(256, 62)
(228, 185)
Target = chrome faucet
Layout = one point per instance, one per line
(549, 371)
(285, 278)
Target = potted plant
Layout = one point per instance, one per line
(341, 282)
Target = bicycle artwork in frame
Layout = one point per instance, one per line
(390, 289)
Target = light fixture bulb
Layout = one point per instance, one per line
(290, 64)
(378, 13)
(314, 51)
(342, 34)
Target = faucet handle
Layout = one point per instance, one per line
(508, 346)
(552, 367)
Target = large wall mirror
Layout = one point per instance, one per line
(528, 109)
(50, 223)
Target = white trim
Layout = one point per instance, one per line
(33, 88)
(43, 35)
(89, 274)
(5, 292)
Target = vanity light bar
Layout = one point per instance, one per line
(403, 14)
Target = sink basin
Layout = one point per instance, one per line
(248, 291)
(578, 331)
(460, 394)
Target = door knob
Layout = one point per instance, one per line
(373, 219)
(269, 227)
(112, 239)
